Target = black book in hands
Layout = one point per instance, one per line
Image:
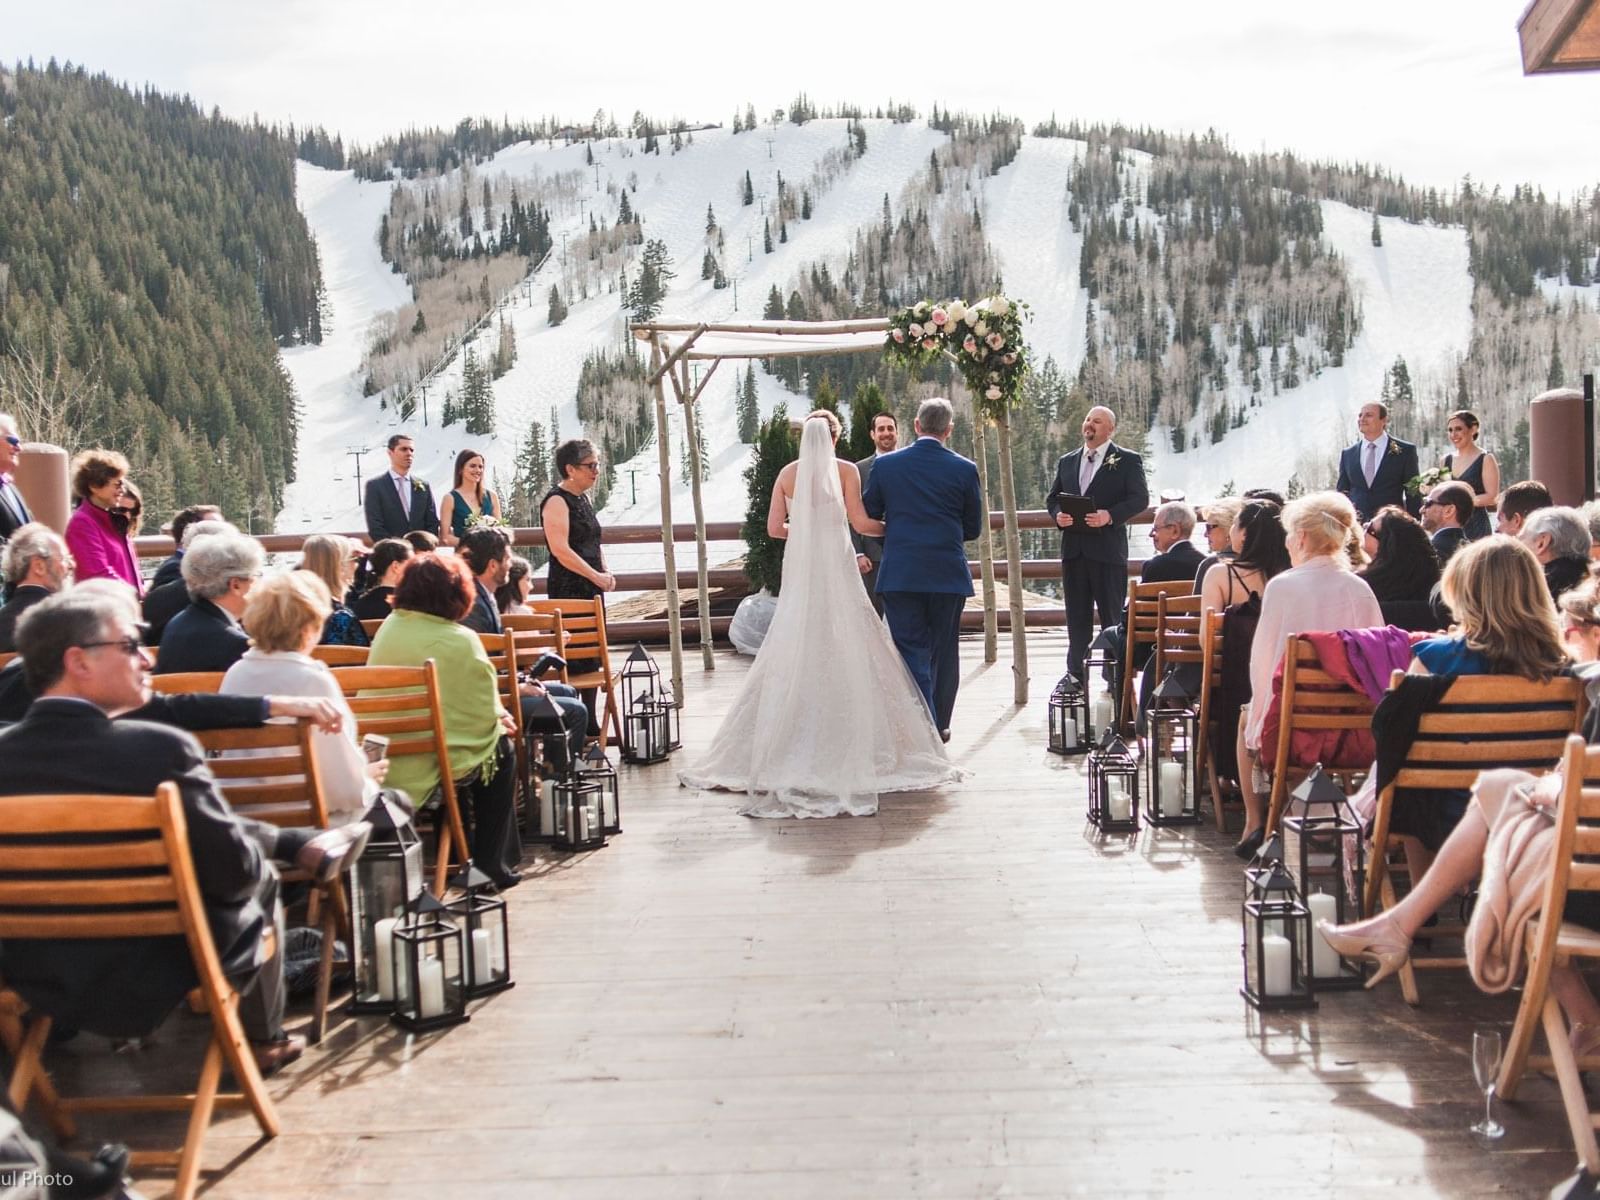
(1076, 507)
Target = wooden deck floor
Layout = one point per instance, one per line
(964, 996)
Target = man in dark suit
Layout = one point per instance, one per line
(1094, 551)
(397, 503)
(928, 497)
(1447, 508)
(168, 594)
(869, 550)
(1373, 472)
(1176, 557)
(84, 659)
(36, 566)
(14, 512)
(219, 570)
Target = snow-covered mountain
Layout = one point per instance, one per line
(1414, 290)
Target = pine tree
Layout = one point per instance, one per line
(1557, 373)
(747, 405)
(775, 448)
(1402, 392)
(505, 351)
(749, 191)
(708, 265)
(805, 205)
(783, 231)
(558, 308)
(711, 221)
(866, 404)
(555, 443)
(643, 298)
(766, 235)
(1377, 233)
(686, 462)
(625, 210)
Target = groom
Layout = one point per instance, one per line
(928, 498)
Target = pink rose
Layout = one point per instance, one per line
(995, 341)
(1009, 359)
(937, 316)
(930, 343)
(916, 330)
(993, 393)
(970, 345)
(899, 335)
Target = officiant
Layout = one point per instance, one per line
(1098, 489)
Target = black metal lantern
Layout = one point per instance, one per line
(595, 767)
(1070, 731)
(429, 974)
(579, 804)
(639, 677)
(539, 820)
(385, 883)
(1113, 787)
(481, 915)
(647, 731)
(1276, 929)
(1324, 854)
(1171, 794)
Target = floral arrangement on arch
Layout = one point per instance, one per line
(984, 338)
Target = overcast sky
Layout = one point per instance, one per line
(1430, 88)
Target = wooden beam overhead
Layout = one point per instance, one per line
(1560, 35)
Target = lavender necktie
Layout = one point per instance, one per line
(1371, 469)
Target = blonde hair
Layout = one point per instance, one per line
(1496, 590)
(831, 417)
(1324, 521)
(327, 556)
(281, 608)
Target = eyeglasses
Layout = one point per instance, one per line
(592, 465)
(1432, 503)
(131, 645)
(14, 441)
(1371, 528)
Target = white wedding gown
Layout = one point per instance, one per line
(829, 717)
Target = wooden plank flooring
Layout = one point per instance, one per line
(967, 995)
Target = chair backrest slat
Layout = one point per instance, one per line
(341, 656)
(182, 682)
(269, 772)
(1478, 724)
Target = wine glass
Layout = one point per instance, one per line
(1485, 1068)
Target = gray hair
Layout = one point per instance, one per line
(1591, 514)
(201, 528)
(1569, 532)
(7, 421)
(1178, 514)
(53, 626)
(213, 560)
(27, 545)
(935, 416)
(1223, 513)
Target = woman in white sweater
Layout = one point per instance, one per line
(1317, 594)
(285, 616)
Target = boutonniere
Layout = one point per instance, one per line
(418, 486)
(1112, 460)
(1394, 447)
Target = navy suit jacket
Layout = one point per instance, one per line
(385, 517)
(1118, 487)
(483, 616)
(200, 638)
(928, 497)
(14, 512)
(1398, 464)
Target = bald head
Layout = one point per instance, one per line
(1099, 423)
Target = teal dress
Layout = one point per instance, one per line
(460, 510)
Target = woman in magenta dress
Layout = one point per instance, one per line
(99, 542)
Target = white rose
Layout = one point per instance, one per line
(970, 317)
(993, 393)
(957, 311)
(999, 306)
(922, 307)
(981, 328)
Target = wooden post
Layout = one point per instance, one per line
(669, 557)
(686, 401)
(1019, 626)
(991, 620)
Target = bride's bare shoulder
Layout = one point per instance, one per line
(848, 471)
(786, 474)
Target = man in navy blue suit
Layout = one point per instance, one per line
(1094, 549)
(928, 498)
(1374, 471)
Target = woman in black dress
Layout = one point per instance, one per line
(1475, 467)
(572, 531)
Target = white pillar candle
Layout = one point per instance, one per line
(580, 825)
(497, 948)
(595, 825)
(1171, 798)
(1069, 737)
(1102, 712)
(608, 807)
(1279, 974)
(482, 956)
(547, 807)
(1324, 958)
(383, 951)
(430, 988)
(1119, 804)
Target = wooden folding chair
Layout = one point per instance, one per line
(1574, 866)
(341, 656)
(502, 651)
(64, 894)
(371, 627)
(402, 704)
(1483, 721)
(1210, 680)
(279, 783)
(1311, 699)
(1140, 628)
(182, 682)
(6, 658)
(536, 634)
(583, 629)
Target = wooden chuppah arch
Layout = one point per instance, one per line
(673, 346)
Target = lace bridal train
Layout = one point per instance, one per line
(829, 717)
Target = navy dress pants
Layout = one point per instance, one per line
(926, 627)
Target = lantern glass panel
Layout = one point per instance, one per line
(596, 768)
(384, 883)
(1170, 792)
(430, 990)
(1114, 788)
(1276, 929)
(578, 809)
(1070, 730)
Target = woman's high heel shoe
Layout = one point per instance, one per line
(1383, 943)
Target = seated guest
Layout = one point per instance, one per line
(286, 615)
(512, 596)
(487, 552)
(166, 600)
(421, 541)
(170, 570)
(1404, 567)
(1517, 501)
(1259, 554)
(384, 565)
(433, 595)
(1591, 514)
(1513, 631)
(1218, 516)
(332, 559)
(101, 548)
(1317, 593)
(219, 570)
(35, 564)
(1176, 557)
(84, 660)
(1559, 539)
(1444, 515)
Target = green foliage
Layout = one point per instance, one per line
(985, 338)
(558, 307)
(505, 350)
(645, 294)
(776, 447)
(864, 405)
(476, 405)
(747, 405)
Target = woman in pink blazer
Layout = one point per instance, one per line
(99, 541)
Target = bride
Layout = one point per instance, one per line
(829, 716)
